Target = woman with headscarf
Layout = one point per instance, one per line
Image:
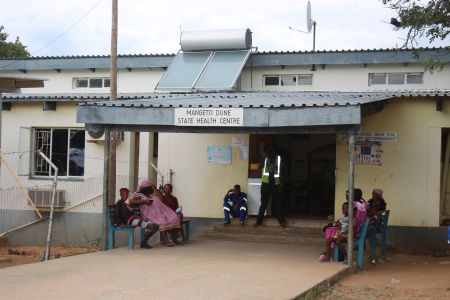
(148, 198)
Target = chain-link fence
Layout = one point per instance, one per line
(77, 220)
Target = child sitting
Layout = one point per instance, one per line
(340, 236)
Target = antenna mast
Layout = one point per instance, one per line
(310, 25)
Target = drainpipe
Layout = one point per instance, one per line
(161, 174)
(52, 205)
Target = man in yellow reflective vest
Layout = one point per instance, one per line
(271, 186)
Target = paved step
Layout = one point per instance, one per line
(277, 230)
(303, 223)
(268, 238)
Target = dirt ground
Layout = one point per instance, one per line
(397, 276)
(28, 254)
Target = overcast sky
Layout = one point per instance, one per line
(82, 27)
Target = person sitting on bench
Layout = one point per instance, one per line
(172, 202)
(123, 216)
(235, 204)
(148, 198)
(376, 207)
(339, 237)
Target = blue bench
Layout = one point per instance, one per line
(358, 243)
(128, 229)
(383, 232)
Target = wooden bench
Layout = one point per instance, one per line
(128, 229)
(186, 229)
(358, 243)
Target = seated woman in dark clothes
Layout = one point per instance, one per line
(172, 202)
(123, 216)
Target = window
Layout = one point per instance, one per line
(98, 82)
(288, 80)
(395, 78)
(377, 79)
(414, 78)
(81, 83)
(271, 80)
(64, 147)
(304, 79)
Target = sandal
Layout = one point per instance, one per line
(323, 258)
(170, 244)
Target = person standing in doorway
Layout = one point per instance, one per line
(271, 186)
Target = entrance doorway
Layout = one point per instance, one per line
(309, 171)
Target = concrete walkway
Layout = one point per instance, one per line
(199, 270)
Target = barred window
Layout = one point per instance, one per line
(64, 147)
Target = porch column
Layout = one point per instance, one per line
(105, 226)
(351, 173)
(1, 112)
(134, 160)
(152, 175)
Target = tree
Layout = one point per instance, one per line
(11, 49)
(421, 18)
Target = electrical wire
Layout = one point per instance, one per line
(59, 35)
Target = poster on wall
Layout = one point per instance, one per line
(219, 155)
(368, 152)
(372, 136)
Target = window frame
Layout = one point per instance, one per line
(279, 76)
(387, 75)
(88, 79)
(34, 153)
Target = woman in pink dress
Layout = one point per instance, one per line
(148, 198)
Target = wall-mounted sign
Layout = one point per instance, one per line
(217, 117)
(368, 152)
(219, 155)
(372, 136)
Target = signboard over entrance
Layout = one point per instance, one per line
(207, 116)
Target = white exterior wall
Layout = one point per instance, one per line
(198, 185)
(343, 78)
(31, 115)
(134, 81)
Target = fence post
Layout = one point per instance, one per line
(52, 204)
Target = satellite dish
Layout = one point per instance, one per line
(309, 22)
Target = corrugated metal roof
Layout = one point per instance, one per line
(265, 58)
(268, 110)
(257, 53)
(263, 99)
(232, 98)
